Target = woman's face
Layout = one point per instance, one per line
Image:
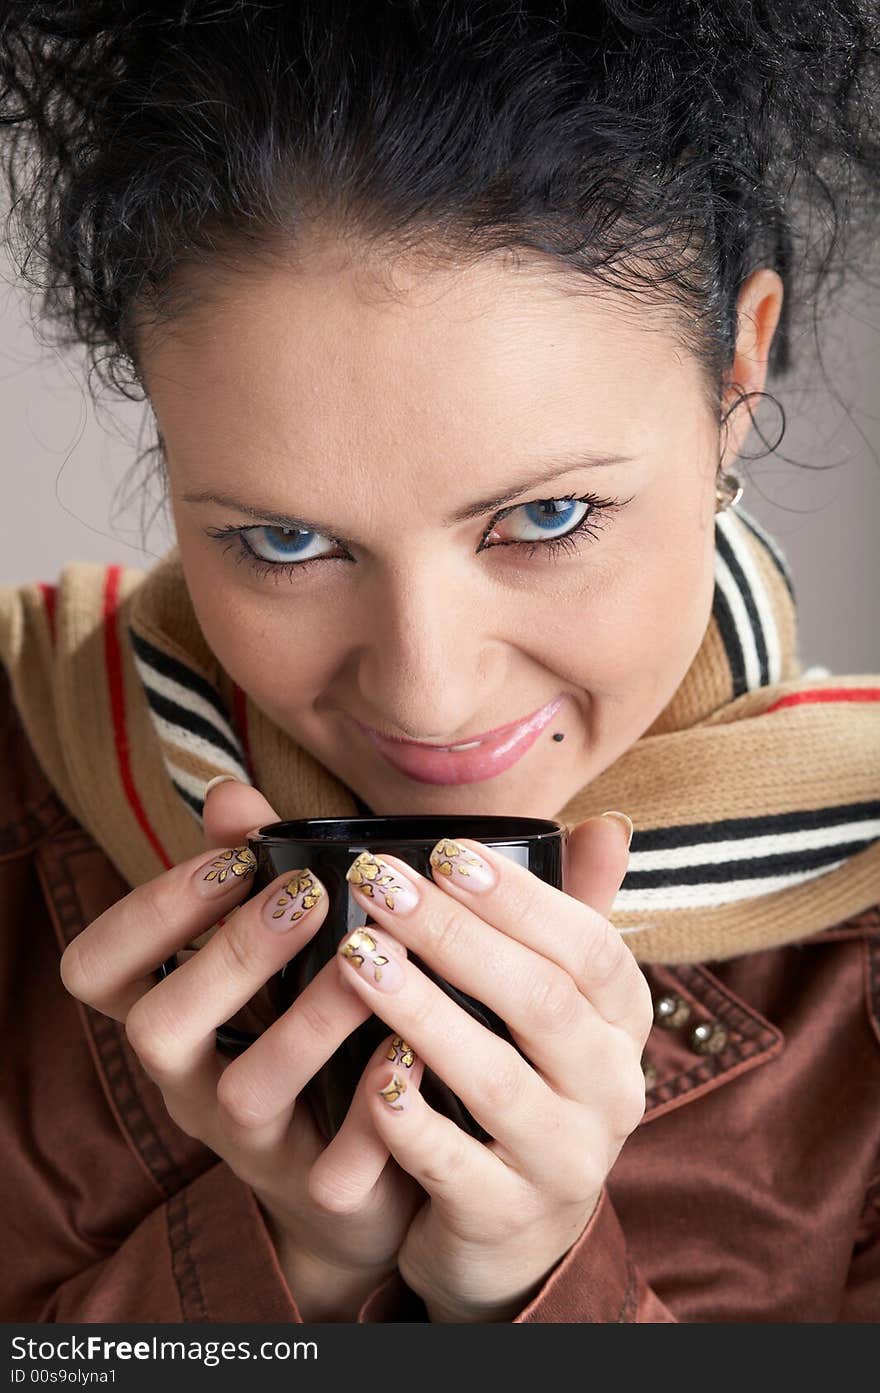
(376, 429)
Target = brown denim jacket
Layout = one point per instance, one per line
(749, 1192)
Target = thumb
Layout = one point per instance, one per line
(232, 809)
(596, 860)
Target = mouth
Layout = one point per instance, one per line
(481, 757)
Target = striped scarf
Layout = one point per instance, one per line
(755, 794)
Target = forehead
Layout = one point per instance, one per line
(339, 348)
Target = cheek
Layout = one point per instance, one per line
(673, 602)
(275, 649)
(282, 661)
(641, 617)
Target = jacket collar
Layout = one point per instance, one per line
(703, 1037)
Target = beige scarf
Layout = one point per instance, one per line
(755, 794)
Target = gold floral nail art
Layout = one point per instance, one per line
(239, 861)
(373, 877)
(363, 947)
(393, 1091)
(296, 898)
(399, 1052)
(449, 857)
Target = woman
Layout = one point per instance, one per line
(423, 490)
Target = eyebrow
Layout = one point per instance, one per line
(553, 469)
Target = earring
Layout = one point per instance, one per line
(728, 491)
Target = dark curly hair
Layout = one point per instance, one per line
(664, 149)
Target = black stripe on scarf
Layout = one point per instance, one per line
(179, 716)
(731, 640)
(771, 547)
(726, 552)
(197, 804)
(765, 824)
(784, 860)
(169, 667)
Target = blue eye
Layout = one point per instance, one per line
(550, 517)
(295, 544)
(548, 525)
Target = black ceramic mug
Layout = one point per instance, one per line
(327, 846)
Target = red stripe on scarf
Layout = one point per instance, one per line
(49, 593)
(827, 694)
(113, 664)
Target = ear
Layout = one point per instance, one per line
(758, 307)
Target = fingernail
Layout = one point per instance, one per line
(394, 1093)
(399, 1052)
(372, 960)
(462, 865)
(625, 822)
(383, 884)
(218, 779)
(225, 869)
(290, 901)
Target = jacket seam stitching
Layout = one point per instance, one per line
(724, 1005)
(140, 1126)
(183, 1264)
(37, 823)
(105, 1032)
(628, 1304)
(755, 1037)
(711, 1067)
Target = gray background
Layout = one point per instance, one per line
(67, 470)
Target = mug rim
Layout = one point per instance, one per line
(543, 829)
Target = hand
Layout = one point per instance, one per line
(246, 1110)
(500, 1216)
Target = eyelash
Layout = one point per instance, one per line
(600, 510)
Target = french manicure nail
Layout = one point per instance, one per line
(372, 960)
(625, 822)
(384, 884)
(290, 901)
(459, 863)
(217, 779)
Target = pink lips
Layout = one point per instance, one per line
(497, 750)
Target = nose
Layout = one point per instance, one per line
(429, 663)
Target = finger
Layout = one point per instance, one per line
(501, 1089)
(596, 861)
(248, 1104)
(173, 1026)
(552, 952)
(557, 926)
(113, 962)
(552, 1022)
(228, 819)
(570, 1162)
(270, 1074)
(456, 1170)
(351, 1164)
(232, 810)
